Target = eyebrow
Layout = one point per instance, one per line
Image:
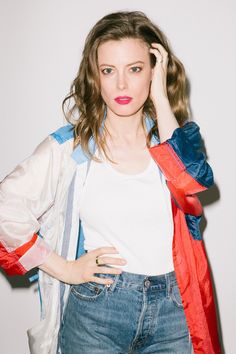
(139, 61)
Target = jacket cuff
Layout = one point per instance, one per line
(181, 160)
(30, 255)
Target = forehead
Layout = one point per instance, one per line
(124, 50)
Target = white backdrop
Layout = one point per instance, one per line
(41, 45)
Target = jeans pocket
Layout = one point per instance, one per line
(175, 295)
(89, 291)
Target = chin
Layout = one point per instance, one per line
(125, 111)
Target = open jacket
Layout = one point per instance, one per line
(40, 212)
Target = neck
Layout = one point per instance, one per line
(125, 130)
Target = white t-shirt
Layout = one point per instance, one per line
(131, 212)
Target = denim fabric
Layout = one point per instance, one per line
(136, 314)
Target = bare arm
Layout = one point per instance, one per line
(55, 266)
(167, 122)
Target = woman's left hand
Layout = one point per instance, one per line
(158, 85)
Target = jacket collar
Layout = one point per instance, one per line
(80, 157)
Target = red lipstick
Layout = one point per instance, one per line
(123, 99)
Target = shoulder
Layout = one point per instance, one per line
(56, 144)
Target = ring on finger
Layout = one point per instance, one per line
(97, 261)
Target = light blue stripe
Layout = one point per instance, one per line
(64, 133)
(33, 277)
(66, 236)
(80, 247)
(79, 155)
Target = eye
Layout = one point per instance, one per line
(105, 73)
(136, 67)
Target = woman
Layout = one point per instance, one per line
(123, 177)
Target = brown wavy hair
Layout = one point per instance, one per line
(88, 105)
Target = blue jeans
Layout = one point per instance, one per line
(136, 314)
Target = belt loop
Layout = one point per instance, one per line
(110, 287)
(167, 285)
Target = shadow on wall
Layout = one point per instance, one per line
(208, 197)
(20, 281)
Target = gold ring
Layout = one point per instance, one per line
(97, 260)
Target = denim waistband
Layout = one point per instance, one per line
(138, 281)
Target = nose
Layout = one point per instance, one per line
(121, 81)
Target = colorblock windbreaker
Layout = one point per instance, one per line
(40, 212)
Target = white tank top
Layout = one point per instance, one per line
(131, 212)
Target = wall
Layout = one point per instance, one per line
(41, 45)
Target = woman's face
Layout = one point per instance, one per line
(125, 70)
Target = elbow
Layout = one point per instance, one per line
(205, 176)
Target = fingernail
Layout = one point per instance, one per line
(123, 261)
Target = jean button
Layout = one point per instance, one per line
(147, 283)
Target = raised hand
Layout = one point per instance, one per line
(158, 86)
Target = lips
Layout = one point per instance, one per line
(123, 99)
